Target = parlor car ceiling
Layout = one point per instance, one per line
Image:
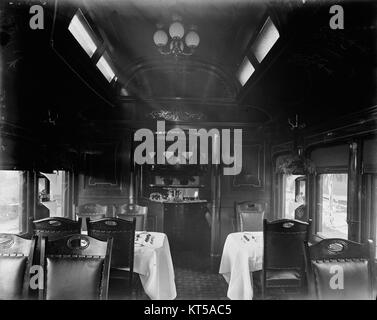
(272, 59)
(210, 72)
(254, 62)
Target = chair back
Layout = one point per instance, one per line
(123, 234)
(130, 211)
(16, 258)
(249, 216)
(283, 243)
(301, 213)
(56, 227)
(76, 267)
(340, 269)
(90, 210)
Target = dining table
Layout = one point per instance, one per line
(242, 255)
(153, 263)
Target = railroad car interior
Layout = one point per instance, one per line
(189, 150)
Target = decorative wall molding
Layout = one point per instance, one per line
(141, 66)
(176, 115)
(253, 167)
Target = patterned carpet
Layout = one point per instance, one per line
(196, 278)
(197, 285)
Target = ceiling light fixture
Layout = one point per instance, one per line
(180, 42)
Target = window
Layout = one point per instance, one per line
(104, 66)
(10, 201)
(266, 39)
(332, 210)
(80, 29)
(245, 71)
(294, 194)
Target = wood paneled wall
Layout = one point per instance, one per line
(104, 174)
(253, 184)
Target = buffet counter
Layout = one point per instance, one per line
(184, 222)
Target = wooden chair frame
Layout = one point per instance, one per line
(55, 225)
(284, 226)
(109, 226)
(134, 214)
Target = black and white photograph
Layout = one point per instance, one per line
(186, 151)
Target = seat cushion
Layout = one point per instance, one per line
(73, 278)
(12, 272)
(283, 278)
(342, 280)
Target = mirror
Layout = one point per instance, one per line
(43, 189)
(300, 184)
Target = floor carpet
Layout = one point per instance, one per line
(196, 278)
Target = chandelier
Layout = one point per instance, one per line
(181, 41)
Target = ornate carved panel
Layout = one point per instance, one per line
(102, 167)
(253, 167)
(104, 172)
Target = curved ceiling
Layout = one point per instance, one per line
(312, 71)
(183, 78)
(224, 29)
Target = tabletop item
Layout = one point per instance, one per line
(155, 196)
(145, 239)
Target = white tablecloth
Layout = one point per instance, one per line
(154, 265)
(242, 254)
